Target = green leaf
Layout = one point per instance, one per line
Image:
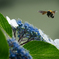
(4, 49)
(42, 50)
(5, 25)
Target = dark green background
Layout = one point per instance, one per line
(27, 11)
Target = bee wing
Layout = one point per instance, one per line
(54, 12)
(43, 12)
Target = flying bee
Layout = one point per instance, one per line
(49, 13)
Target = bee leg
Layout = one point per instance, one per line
(48, 15)
(51, 16)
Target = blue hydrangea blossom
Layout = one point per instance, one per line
(16, 51)
(26, 32)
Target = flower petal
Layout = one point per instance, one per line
(57, 43)
(8, 19)
(12, 22)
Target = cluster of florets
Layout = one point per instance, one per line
(16, 51)
(27, 31)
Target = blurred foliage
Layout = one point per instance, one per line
(4, 50)
(5, 25)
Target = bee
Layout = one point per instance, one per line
(49, 13)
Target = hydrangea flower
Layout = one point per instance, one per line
(16, 51)
(27, 32)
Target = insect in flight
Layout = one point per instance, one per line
(49, 13)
